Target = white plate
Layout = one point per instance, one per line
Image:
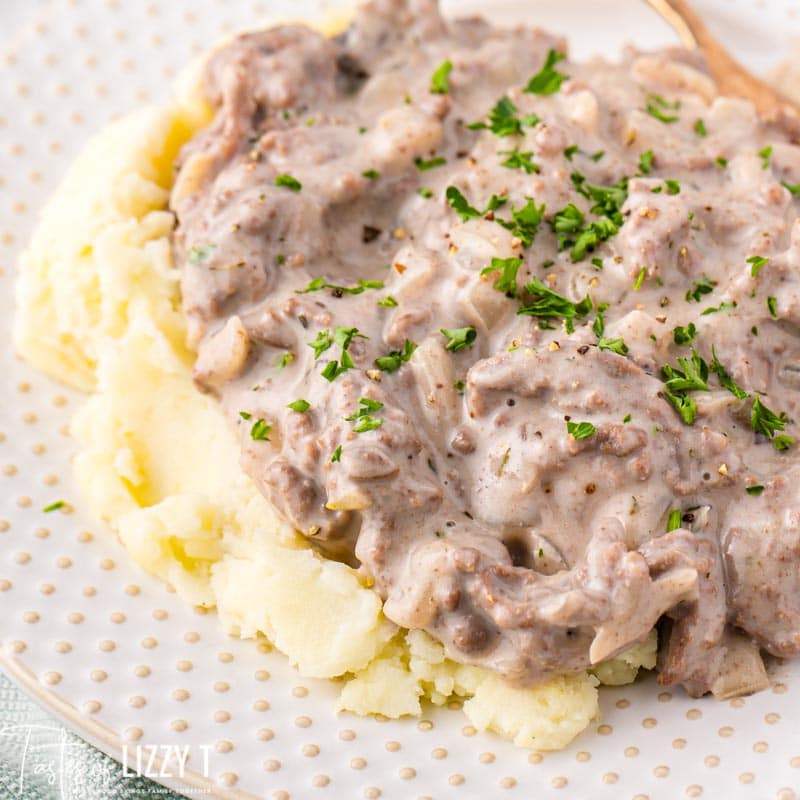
(122, 660)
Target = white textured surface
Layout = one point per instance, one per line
(96, 632)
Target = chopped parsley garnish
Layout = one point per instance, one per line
(659, 108)
(700, 128)
(54, 506)
(343, 337)
(440, 80)
(570, 151)
(637, 284)
(541, 301)
(285, 360)
(288, 182)
(423, 165)
(372, 174)
(599, 325)
(459, 386)
(724, 378)
(460, 205)
(424, 192)
(299, 405)
(458, 338)
(627, 418)
(547, 80)
(617, 346)
(245, 415)
(363, 417)
(388, 302)
(756, 264)
(525, 221)
(772, 305)
(673, 187)
(321, 343)
(683, 336)
(724, 306)
(722, 162)
(198, 253)
(701, 287)
(519, 160)
(580, 430)
(260, 431)
(508, 267)
(396, 358)
(755, 490)
(280, 260)
(337, 455)
(565, 222)
(673, 520)
(765, 154)
(597, 156)
(646, 162)
(763, 420)
(693, 375)
(793, 188)
(317, 284)
(597, 263)
(503, 120)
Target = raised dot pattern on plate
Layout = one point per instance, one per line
(130, 658)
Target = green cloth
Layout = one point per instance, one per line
(41, 760)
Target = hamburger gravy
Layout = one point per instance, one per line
(517, 335)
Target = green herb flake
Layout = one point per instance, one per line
(673, 187)
(424, 165)
(245, 415)
(321, 343)
(597, 263)
(599, 325)
(320, 283)
(724, 378)
(792, 188)
(700, 128)
(299, 405)
(280, 260)
(765, 154)
(525, 221)
(597, 156)
(508, 268)
(756, 264)
(570, 151)
(673, 520)
(519, 160)
(372, 174)
(755, 490)
(460, 205)
(656, 106)
(701, 287)
(198, 253)
(547, 80)
(396, 358)
(337, 455)
(285, 360)
(646, 162)
(627, 418)
(363, 417)
(388, 302)
(580, 430)
(503, 120)
(765, 421)
(772, 305)
(541, 301)
(617, 346)
(684, 336)
(260, 431)
(54, 506)
(440, 80)
(288, 182)
(458, 338)
(425, 192)
(722, 162)
(637, 284)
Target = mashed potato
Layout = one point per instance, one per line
(99, 308)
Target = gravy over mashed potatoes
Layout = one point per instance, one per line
(100, 308)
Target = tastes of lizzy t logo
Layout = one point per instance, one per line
(48, 757)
